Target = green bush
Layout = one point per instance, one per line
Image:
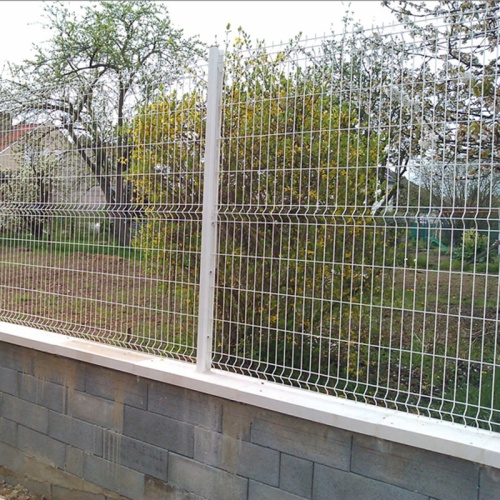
(297, 244)
(473, 243)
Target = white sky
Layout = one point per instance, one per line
(271, 20)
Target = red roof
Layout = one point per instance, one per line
(15, 133)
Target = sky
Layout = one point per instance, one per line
(271, 20)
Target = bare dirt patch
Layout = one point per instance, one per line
(92, 295)
(17, 492)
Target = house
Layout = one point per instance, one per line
(42, 176)
(41, 151)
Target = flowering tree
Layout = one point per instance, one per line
(88, 77)
(461, 117)
(42, 176)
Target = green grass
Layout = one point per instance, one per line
(102, 246)
(436, 259)
(93, 248)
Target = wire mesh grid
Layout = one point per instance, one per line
(357, 219)
(100, 239)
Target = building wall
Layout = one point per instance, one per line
(69, 429)
(74, 183)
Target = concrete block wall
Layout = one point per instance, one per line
(72, 430)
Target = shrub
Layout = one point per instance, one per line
(473, 243)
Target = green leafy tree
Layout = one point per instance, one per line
(88, 77)
(298, 181)
(168, 139)
(473, 244)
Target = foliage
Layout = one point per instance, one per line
(369, 70)
(86, 79)
(296, 236)
(473, 243)
(168, 137)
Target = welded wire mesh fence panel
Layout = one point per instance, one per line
(100, 215)
(358, 220)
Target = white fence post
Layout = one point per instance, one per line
(209, 220)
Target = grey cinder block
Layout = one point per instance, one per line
(114, 477)
(156, 489)
(11, 457)
(45, 449)
(185, 405)
(8, 381)
(205, 481)
(309, 440)
(489, 484)
(57, 369)
(429, 473)
(74, 461)
(75, 432)
(259, 491)
(8, 432)
(25, 413)
(296, 475)
(119, 387)
(159, 430)
(236, 456)
(237, 419)
(95, 410)
(335, 484)
(13, 356)
(143, 457)
(42, 392)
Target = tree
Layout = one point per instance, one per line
(28, 190)
(297, 183)
(370, 71)
(454, 46)
(455, 187)
(460, 121)
(89, 75)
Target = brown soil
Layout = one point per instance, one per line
(18, 492)
(443, 304)
(91, 295)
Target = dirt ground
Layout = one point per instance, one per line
(109, 296)
(90, 295)
(16, 492)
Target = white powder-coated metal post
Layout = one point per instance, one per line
(209, 218)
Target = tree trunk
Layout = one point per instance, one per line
(121, 213)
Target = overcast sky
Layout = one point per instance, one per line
(273, 21)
